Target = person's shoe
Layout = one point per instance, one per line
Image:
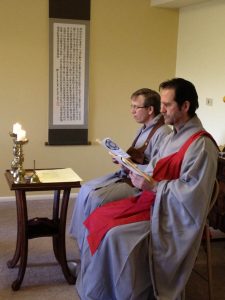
(74, 267)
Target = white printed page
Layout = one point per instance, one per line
(109, 144)
(58, 175)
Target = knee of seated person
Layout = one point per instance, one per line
(114, 232)
(84, 190)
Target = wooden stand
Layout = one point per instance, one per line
(40, 227)
(217, 214)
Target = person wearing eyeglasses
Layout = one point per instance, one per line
(145, 109)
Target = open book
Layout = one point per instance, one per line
(121, 156)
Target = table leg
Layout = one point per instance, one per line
(23, 238)
(61, 242)
(12, 263)
(55, 216)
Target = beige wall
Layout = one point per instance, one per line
(132, 45)
(200, 57)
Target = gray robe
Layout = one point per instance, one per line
(107, 188)
(135, 259)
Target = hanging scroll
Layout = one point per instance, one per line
(69, 52)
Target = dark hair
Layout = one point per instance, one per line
(184, 91)
(152, 98)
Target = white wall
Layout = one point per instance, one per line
(201, 59)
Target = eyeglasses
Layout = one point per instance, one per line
(135, 107)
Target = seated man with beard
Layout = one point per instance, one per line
(144, 247)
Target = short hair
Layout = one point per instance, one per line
(152, 98)
(184, 91)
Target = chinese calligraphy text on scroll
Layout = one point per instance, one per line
(68, 74)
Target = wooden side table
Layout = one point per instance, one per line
(40, 227)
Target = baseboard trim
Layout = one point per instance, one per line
(34, 197)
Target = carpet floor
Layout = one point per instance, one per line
(44, 279)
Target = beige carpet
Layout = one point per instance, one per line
(44, 278)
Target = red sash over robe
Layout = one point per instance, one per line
(135, 209)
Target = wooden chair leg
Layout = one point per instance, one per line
(209, 261)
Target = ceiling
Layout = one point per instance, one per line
(175, 3)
